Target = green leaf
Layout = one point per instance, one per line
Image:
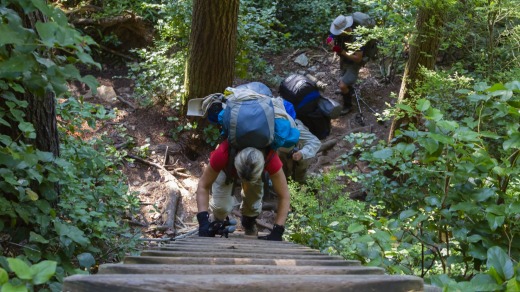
(47, 32)
(42, 6)
(433, 201)
(493, 273)
(405, 107)
(478, 97)
(8, 287)
(495, 221)
(423, 104)
(33, 196)
(431, 145)
(20, 268)
(448, 125)
(442, 138)
(3, 277)
(355, 227)
(405, 148)
(26, 127)
(466, 135)
(71, 232)
(513, 285)
(87, 59)
(474, 238)
(407, 214)
(513, 142)
(16, 66)
(483, 194)
(497, 258)
(43, 271)
(433, 114)
(477, 251)
(485, 283)
(463, 206)
(45, 156)
(383, 154)
(35, 237)
(91, 82)
(86, 260)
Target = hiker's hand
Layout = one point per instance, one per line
(297, 156)
(203, 218)
(329, 40)
(336, 49)
(275, 235)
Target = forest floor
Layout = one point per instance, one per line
(178, 163)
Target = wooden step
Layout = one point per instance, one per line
(239, 263)
(236, 261)
(235, 282)
(273, 254)
(239, 269)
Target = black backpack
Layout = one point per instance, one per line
(301, 92)
(304, 95)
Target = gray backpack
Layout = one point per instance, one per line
(371, 46)
(248, 119)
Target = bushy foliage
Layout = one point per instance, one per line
(483, 37)
(443, 201)
(58, 215)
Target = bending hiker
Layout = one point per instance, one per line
(250, 121)
(249, 164)
(339, 40)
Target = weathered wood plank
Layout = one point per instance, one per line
(240, 269)
(233, 282)
(232, 254)
(235, 261)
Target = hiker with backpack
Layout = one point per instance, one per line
(254, 126)
(248, 166)
(296, 160)
(340, 41)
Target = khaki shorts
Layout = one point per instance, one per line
(222, 203)
(349, 73)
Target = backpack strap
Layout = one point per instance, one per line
(228, 170)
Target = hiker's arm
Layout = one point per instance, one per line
(356, 57)
(203, 188)
(282, 190)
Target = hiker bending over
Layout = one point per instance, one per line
(350, 60)
(296, 160)
(248, 166)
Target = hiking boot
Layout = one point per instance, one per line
(345, 111)
(249, 224)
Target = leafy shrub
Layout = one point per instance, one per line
(68, 209)
(445, 202)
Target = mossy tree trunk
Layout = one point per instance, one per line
(424, 47)
(41, 108)
(211, 58)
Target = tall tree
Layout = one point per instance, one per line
(424, 47)
(211, 58)
(41, 108)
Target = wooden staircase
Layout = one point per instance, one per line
(239, 263)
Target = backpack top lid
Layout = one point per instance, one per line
(248, 119)
(257, 87)
(363, 19)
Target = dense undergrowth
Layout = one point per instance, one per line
(442, 200)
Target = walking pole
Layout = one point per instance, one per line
(359, 116)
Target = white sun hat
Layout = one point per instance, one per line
(340, 24)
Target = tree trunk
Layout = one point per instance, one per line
(424, 47)
(41, 109)
(211, 59)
